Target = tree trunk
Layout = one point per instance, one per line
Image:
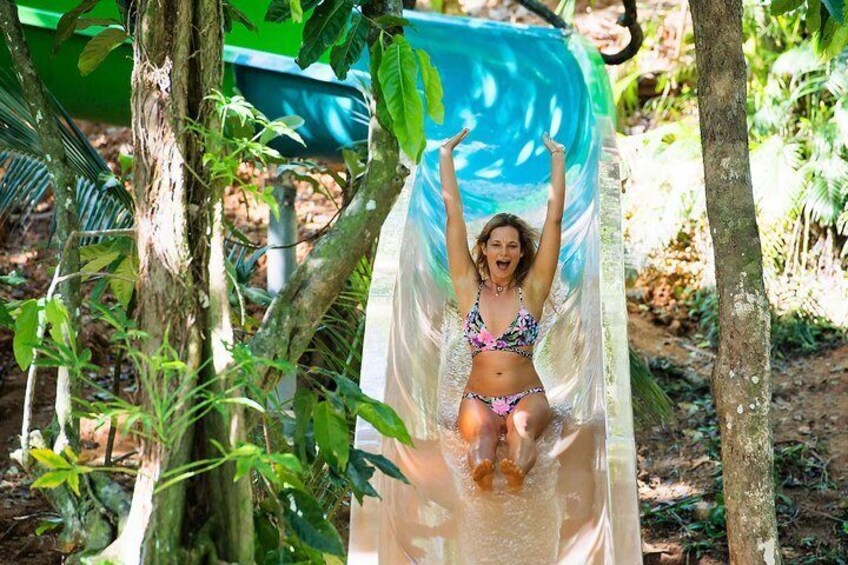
(182, 293)
(741, 378)
(85, 526)
(294, 314)
(41, 107)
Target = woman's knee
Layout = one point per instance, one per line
(523, 423)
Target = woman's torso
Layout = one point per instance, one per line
(497, 330)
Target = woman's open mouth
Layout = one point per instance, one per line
(503, 265)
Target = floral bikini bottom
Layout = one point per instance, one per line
(503, 405)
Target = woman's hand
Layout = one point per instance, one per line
(552, 145)
(449, 144)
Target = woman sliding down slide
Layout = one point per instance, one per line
(501, 287)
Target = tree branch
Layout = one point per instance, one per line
(295, 312)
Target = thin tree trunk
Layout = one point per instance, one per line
(295, 312)
(741, 378)
(85, 526)
(64, 189)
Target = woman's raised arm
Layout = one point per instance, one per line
(542, 272)
(462, 269)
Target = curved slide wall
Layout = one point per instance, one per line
(579, 503)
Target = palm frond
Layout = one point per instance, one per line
(651, 405)
(102, 201)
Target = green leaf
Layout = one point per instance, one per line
(52, 479)
(283, 10)
(99, 47)
(385, 419)
(779, 7)
(432, 87)
(383, 115)
(398, 74)
(12, 279)
(26, 334)
(304, 403)
(73, 482)
(47, 525)
(123, 284)
(813, 17)
(57, 318)
(50, 459)
(323, 29)
(382, 463)
(67, 23)
(277, 128)
(6, 319)
(836, 9)
(360, 473)
(311, 526)
(249, 402)
(101, 262)
(331, 433)
(233, 13)
(346, 53)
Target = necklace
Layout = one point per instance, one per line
(499, 289)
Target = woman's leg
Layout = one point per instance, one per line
(526, 423)
(479, 426)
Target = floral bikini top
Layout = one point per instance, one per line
(522, 332)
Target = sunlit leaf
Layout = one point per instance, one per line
(432, 87)
(398, 75)
(385, 419)
(52, 479)
(26, 334)
(50, 459)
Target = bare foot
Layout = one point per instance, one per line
(484, 474)
(513, 473)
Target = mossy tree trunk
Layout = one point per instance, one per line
(182, 294)
(741, 379)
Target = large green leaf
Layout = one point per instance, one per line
(26, 333)
(323, 29)
(398, 76)
(331, 434)
(385, 419)
(311, 526)
(383, 115)
(99, 47)
(346, 53)
(432, 87)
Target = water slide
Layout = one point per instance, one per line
(510, 84)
